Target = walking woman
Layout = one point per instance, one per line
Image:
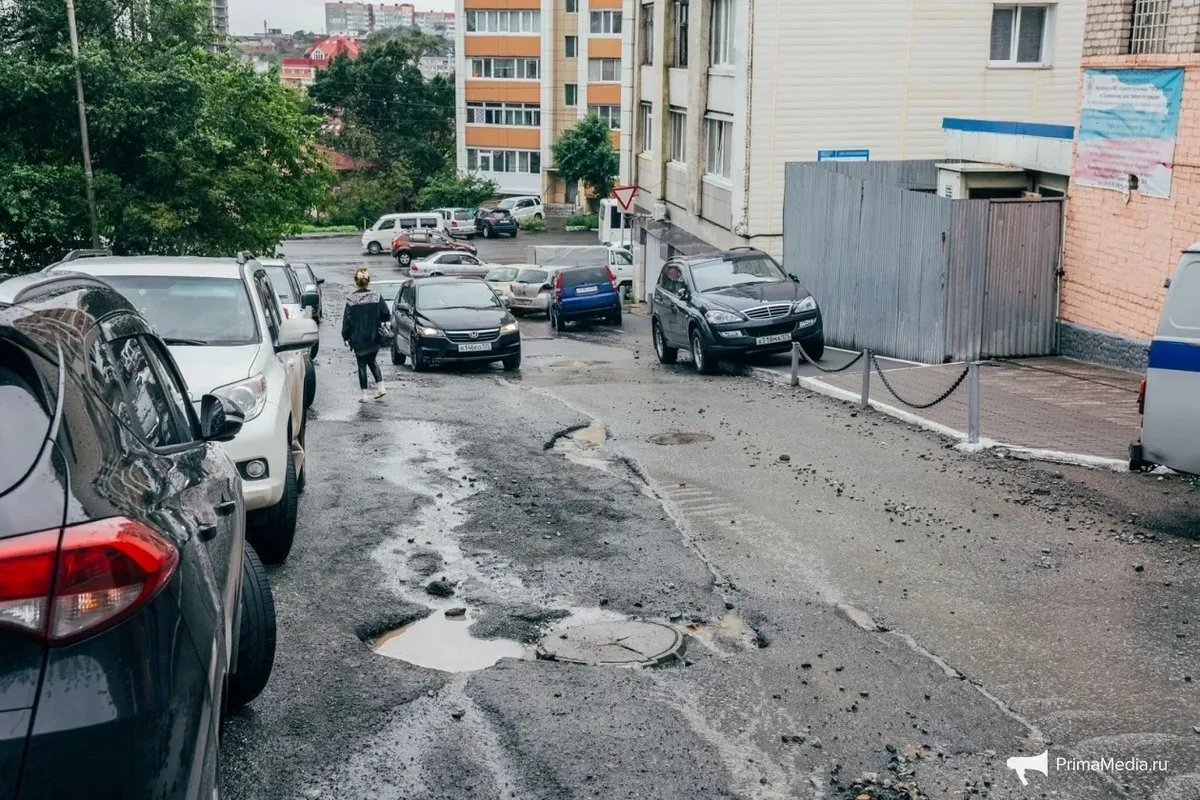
(365, 313)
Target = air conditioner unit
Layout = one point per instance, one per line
(659, 212)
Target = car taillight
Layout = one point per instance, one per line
(413, 268)
(611, 277)
(102, 572)
(1142, 397)
(286, 314)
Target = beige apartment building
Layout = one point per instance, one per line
(528, 70)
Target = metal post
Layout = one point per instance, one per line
(973, 403)
(795, 363)
(83, 127)
(865, 399)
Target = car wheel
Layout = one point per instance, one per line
(666, 355)
(512, 363)
(514, 233)
(374, 249)
(256, 637)
(555, 321)
(276, 531)
(310, 386)
(316, 348)
(404, 259)
(814, 348)
(614, 318)
(701, 357)
(302, 478)
(435, 274)
(538, 216)
(397, 356)
(418, 363)
(487, 232)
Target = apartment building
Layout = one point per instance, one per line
(726, 92)
(527, 71)
(220, 16)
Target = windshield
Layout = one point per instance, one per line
(211, 311)
(459, 294)
(502, 274)
(710, 276)
(532, 276)
(586, 275)
(622, 258)
(282, 283)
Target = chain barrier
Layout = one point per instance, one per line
(804, 355)
(919, 406)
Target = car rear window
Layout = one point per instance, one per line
(585, 276)
(462, 216)
(502, 274)
(501, 212)
(532, 276)
(26, 419)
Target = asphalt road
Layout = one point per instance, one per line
(864, 610)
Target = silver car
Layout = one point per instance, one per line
(450, 263)
(532, 289)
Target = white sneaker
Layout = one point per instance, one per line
(366, 396)
(380, 390)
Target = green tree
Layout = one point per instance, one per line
(192, 152)
(585, 153)
(449, 190)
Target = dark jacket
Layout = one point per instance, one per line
(365, 310)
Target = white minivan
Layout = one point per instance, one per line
(1167, 400)
(378, 238)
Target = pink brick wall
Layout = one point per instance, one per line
(1116, 256)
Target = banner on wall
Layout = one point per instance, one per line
(1127, 126)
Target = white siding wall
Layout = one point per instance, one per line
(882, 74)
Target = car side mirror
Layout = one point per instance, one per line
(296, 334)
(220, 419)
(795, 278)
(320, 281)
(310, 298)
(684, 294)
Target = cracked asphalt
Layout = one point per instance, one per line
(867, 612)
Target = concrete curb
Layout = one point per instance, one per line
(960, 437)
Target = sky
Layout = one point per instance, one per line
(246, 16)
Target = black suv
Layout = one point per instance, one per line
(729, 304)
(132, 613)
(492, 222)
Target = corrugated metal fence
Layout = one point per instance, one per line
(913, 275)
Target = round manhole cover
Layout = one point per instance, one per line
(642, 644)
(680, 437)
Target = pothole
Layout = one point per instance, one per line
(615, 644)
(576, 364)
(585, 446)
(680, 437)
(445, 643)
(728, 629)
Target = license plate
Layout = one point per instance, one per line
(776, 339)
(587, 290)
(475, 348)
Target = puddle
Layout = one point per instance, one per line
(680, 437)
(727, 628)
(444, 643)
(576, 364)
(585, 447)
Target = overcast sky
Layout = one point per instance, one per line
(246, 16)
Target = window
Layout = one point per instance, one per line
(719, 159)
(604, 22)
(504, 22)
(680, 33)
(1019, 35)
(646, 128)
(604, 69)
(721, 45)
(523, 114)
(678, 134)
(571, 94)
(175, 388)
(387, 225)
(270, 303)
(572, 47)
(647, 34)
(571, 6)
(610, 114)
(671, 279)
(524, 161)
(1149, 33)
(522, 69)
(149, 402)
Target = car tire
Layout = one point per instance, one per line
(538, 216)
(666, 355)
(302, 478)
(435, 274)
(614, 318)
(555, 321)
(256, 636)
(404, 259)
(310, 386)
(276, 531)
(487, 232)
(512, 363)
(701, 355)
(374, 248)
(418, 363)
(814, 348)
(514, 233)
(398, 358)
(316, 348)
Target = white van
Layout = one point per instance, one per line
(378, 238)
(1167, 400)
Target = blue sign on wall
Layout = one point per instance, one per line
(843, 155)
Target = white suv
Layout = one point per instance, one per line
(523, 207)
(222, 322)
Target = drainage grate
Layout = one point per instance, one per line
(680, 437)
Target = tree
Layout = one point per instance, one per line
(449, 190)
(585, 153)
(192, 152)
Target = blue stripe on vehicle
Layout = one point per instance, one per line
(1174, 356)
(1012, 128)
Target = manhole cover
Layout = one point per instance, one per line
(680, 437)
(642, 644)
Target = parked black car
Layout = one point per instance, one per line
(493, 222)
(457, 320)
(132, 612)
(314, 299)
(730, 304)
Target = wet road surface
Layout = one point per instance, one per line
(860, 609)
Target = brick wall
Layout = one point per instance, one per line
(1106, 30)
(1183, 29)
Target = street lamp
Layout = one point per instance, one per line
(83, 127)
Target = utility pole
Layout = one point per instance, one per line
(83, 127)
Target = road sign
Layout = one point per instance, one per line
(624, 196)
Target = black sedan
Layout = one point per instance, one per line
(731, 304)
(132, 613)
(453, 320)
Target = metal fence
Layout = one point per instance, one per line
(908, 274)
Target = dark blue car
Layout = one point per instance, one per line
(585, 293)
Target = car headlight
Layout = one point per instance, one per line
(424, 331)
(807, 304)
(250, 395)
(511, 327)
(722, 317)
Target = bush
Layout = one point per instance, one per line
(588, 221)
(328, 229)
(532, 224)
